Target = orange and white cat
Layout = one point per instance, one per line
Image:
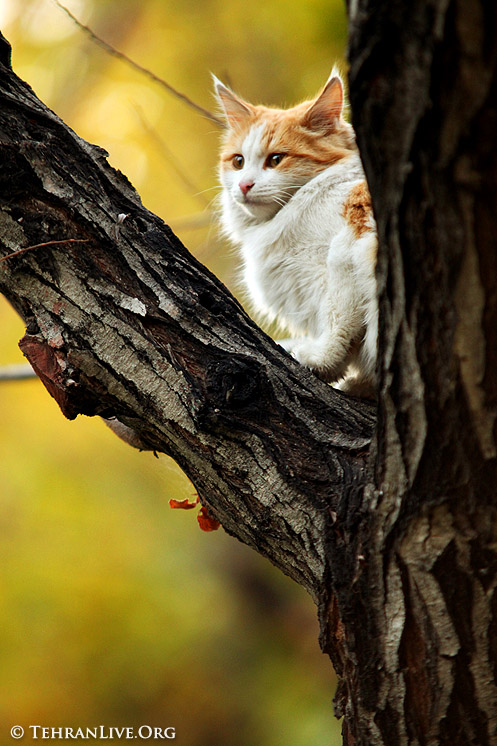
(295, 199)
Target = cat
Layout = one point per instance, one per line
(295, 199)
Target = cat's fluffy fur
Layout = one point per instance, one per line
(295, 199)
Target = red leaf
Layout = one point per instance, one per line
(183, 504)
(206, 521)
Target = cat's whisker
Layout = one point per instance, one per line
(214, 204)
(209, 189)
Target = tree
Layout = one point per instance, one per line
(386, 514)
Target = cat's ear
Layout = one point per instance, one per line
(326, 111)
(235, 110)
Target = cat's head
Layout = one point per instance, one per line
(268, 154)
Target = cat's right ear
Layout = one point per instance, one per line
(235, 110)
(326, 111)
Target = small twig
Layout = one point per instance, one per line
(40, 245)
(169, 156)
(120, 55)
(17, 372)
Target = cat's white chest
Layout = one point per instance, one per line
(286, 260)
(285, 284)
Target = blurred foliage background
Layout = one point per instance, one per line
(114, 609)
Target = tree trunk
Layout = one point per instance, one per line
(394, 533)
(424, 102)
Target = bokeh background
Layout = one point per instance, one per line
(114, 609)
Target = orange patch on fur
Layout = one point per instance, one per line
(357, 209)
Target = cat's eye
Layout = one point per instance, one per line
(274, 160)
(237, 162)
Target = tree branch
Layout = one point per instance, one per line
(129, 324)
(145, 71)
(16, 372)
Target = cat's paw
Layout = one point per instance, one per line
(311, 356)
(356, 385)
(310, 353)
(326, 362)
(288, 343)
(302, 350)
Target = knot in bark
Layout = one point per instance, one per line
(235, 385)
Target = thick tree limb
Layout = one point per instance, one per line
(130, 324)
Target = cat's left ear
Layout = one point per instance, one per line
(235, 110)
(326, 111)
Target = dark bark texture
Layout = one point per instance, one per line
(392, 530)
(424, 101)
(127, 323)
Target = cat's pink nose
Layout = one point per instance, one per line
(245, 186)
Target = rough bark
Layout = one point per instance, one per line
(424, 102)
(396, 542)
(127, 323)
